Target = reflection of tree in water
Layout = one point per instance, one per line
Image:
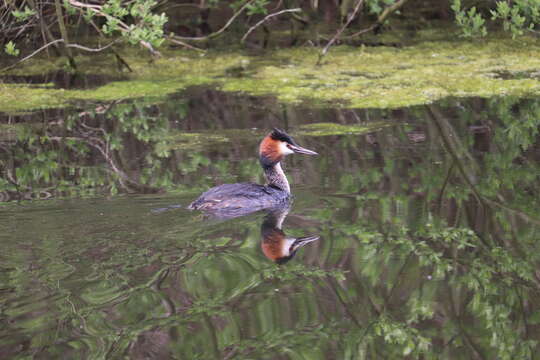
(434, 220)
(66, 155)
(123, 147)
(462, 228)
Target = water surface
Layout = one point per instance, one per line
(428, 221)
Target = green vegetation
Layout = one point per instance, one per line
(150, 24)
(381, 77)
(408, 64)
(516, 17)
(327, 129)
(423, 195)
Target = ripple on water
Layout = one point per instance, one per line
(403, 243)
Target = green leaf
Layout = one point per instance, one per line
(10, 49)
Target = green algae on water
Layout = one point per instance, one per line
(359, 77)
(327, 129)
(194, 141)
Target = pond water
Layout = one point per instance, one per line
(427, 221)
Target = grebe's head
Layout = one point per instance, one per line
(276, 145)
(277, 246)
(280, 248)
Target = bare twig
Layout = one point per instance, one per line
(81, 47)
(77, 46)
(217, 33)
(178, 42)
(32, 54)
(381, 19)
(278, 5)
(169, 7)
(363, 31)
(389, 10)
(534, 32)
(251, 29)
(338, 33)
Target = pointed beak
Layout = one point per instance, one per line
(302, 241)
(301, 150)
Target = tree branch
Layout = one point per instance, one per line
(77, 46)
(178, 42)
(217, 33)
(123, 26)
(389, 10)
(338, 33)
(64, 33)
(251, 29)
(381, 19)
(31, 55)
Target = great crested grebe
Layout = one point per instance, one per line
(243, 198)
(277, 246)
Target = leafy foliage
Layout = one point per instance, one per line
(471, 22)
(134, 20)
(10, 49)
(377, 6)
(24, 14)
(516, 17)
(150, 23)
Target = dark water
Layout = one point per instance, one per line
(428, 219)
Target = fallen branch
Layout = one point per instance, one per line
(178, 42)
(251, 29)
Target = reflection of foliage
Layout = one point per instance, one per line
(299, 271)
(44, 161)
(489, 272)
(498, 280)
(429, 238)
(299, 340)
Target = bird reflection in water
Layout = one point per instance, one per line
(276, 245)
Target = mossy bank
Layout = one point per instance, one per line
(360, 77)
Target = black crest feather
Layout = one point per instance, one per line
(278, 134)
